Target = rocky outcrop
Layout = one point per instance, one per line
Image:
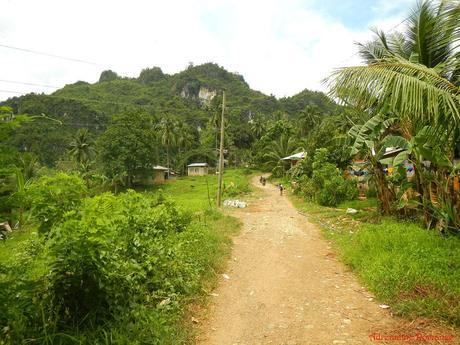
(203, 94)
(206, 95)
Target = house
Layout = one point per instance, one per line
(159, 174)
(293, 159)
(391, 152)
(197, 169)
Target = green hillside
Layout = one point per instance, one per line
(191, 97)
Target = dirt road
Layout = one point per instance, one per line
(283, 285)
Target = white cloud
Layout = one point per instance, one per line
(280, 47)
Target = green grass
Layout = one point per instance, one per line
(414, 270)
(197, 193)
(9, 245)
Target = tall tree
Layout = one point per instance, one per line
(278, 149)
(127, 147)
(413, 76)
(168, 136)
(81, 147)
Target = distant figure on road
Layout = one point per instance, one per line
(281, 188)
(264, 181)
(261, 180)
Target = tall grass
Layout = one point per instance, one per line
(414, 270)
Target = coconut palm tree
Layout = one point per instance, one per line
(414, 74)
(168, 136)
(278, 149)
(81, 146)
(258, 126)
(308, 118)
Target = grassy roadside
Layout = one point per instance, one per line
(415, 271)
(197, 194)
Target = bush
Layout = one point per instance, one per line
(114, 251)
(305, 187)
(327, 186)
(115, 269)
(51, 197)
(233, 189)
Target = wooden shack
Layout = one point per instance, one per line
(197, 169)
(159, 174)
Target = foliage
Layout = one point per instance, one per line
(94, 106)
(80, 147)
(120, 267)
(128, 147)
(103, 259)
(414, 271)
(52, 197)
(412, 77)
(283, 147)
(327, 186)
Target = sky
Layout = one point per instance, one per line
(280, 46)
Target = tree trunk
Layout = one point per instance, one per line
(167, 160)
(384, 194)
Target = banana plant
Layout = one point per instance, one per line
(434, 171)
(369, 144)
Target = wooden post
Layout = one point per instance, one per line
(221, 154)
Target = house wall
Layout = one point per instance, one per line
(197, 171)
(159, 177)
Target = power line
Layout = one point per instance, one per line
(26, 50)
(9, 91)
(31, 84)
(387, 32)
(401, 22)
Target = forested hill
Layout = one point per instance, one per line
(192, 97)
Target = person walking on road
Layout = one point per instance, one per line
(281, 188)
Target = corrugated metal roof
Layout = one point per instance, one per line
(389, 151)
(296, 156)
(198, 165)
(159, 167)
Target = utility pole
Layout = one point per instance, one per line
(221, 155)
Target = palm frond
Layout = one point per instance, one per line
(405, 88)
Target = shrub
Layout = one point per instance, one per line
(305, 187)
(327, 186)
(111, 253)
(233, 189)
(116, 269)
(51, 197)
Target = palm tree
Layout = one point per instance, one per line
(308, 118)
(278, 149)
(414, 75)
(168, 136)
(81, 146)
(185, 137)
(258, 126)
